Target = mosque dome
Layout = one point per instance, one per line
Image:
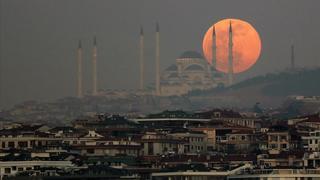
(190, 54)
(172, 68)
(194, 67)
(173, 75)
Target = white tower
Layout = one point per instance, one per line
(141, 59)
(79, 71)
(157, 60)
(230, 57)
(94, 67)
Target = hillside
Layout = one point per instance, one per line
(270, 89)
(300, 82)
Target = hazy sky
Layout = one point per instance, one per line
(39, 39)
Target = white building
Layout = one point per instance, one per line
(155, 143)
(11, 168)
(312, 141)
(190, 72)
(196, 142)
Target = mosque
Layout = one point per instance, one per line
(190, 72)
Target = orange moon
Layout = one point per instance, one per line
(246, 45)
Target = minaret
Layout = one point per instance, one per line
(230, 57)
(79, 71)
(94, 67)
(141, 59)
(157, 60)
(214, 48)
(292, 58)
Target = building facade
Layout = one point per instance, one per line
(190, 72)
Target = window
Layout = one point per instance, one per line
(283, 138)
(150, 148)
(7, 170)
(273, 146)
(284, 146)
(243, 138)
(23, 144)
(20, 169)
(3, 145)
(11, 144)
(273, 138)
(14, 168)
(90, 151)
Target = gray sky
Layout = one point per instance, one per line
(39, 39)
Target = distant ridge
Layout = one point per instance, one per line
(300, 82)
(271, 88)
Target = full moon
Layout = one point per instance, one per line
(246, 45)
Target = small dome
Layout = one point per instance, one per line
(191, 54)
(172, 68)
(194, 67)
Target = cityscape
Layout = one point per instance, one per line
(159, 90)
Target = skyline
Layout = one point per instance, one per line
(41, 79)
(159, 90)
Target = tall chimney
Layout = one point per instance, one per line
(214, 47)
(94, 67)
(157, 60)
(230, 57)
(79, 71)
(141, 59)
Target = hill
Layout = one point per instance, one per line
(270, 89)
